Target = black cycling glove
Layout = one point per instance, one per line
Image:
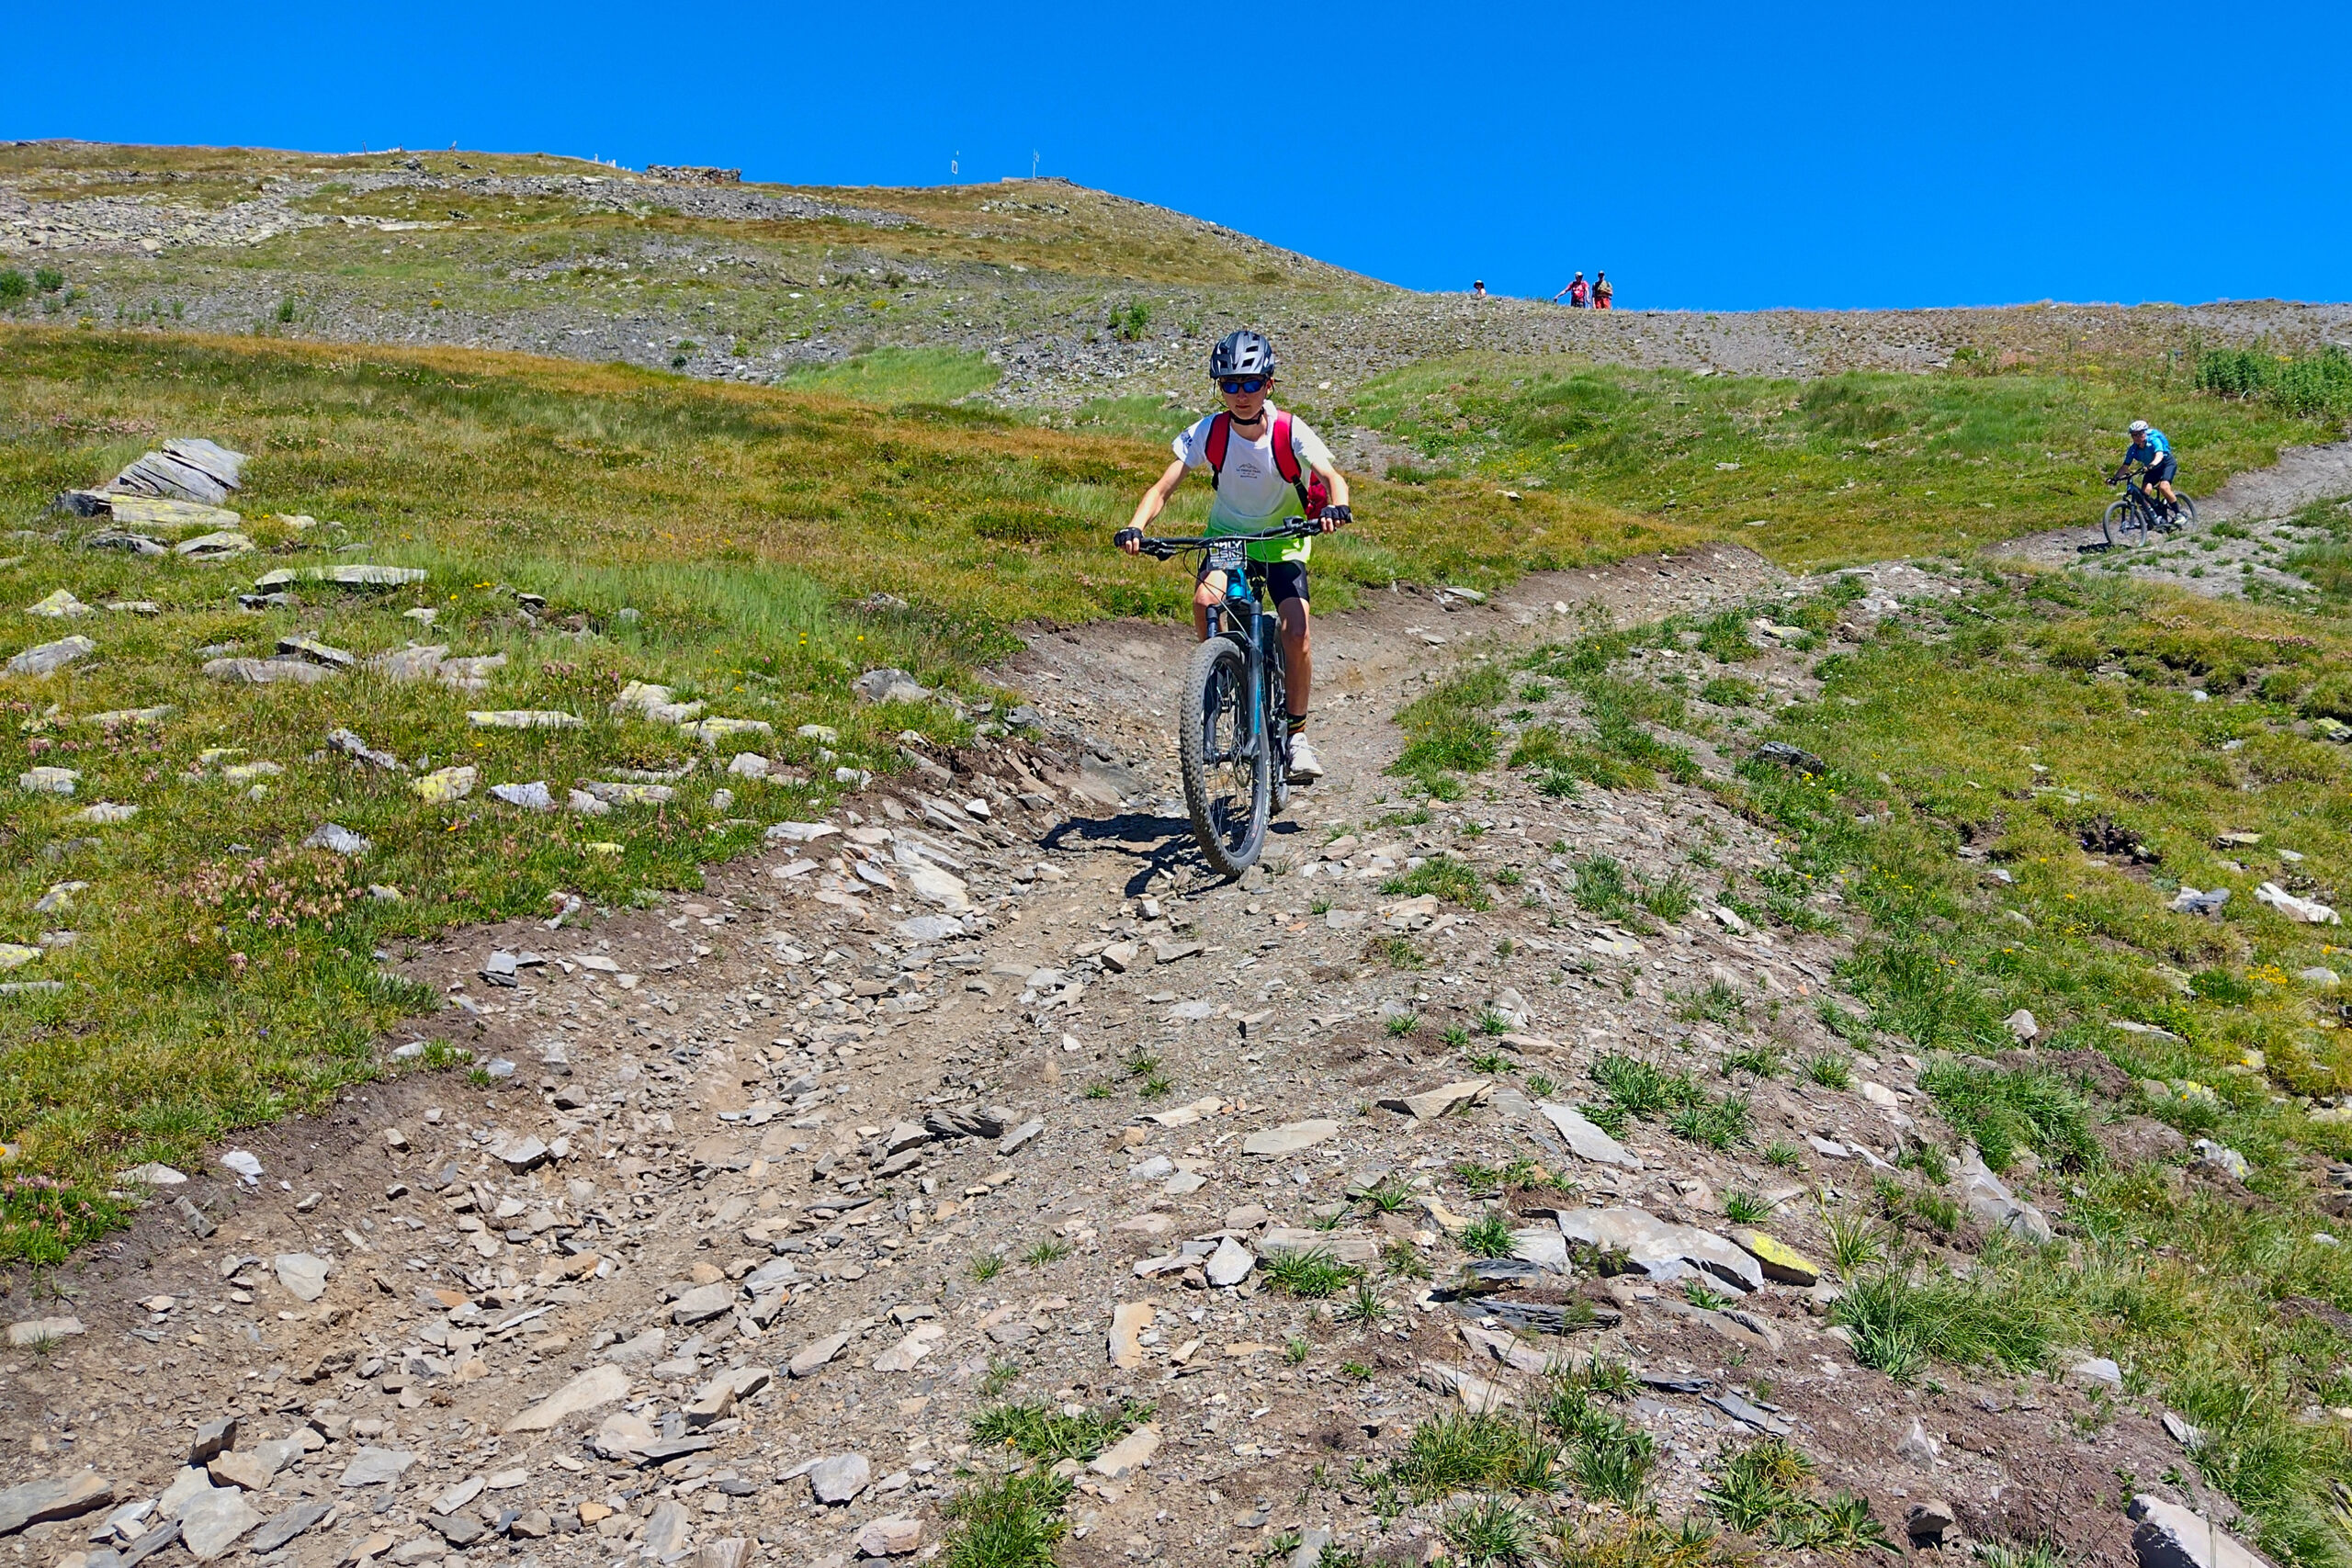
(1126, 537)
(1338, 516)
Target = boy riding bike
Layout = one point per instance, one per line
(2154, 454)
(1264, 464)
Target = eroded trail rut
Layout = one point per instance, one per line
(794, 1177)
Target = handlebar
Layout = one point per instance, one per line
(1295, 528)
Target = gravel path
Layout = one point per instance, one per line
(718, 1224)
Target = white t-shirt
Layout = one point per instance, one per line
(1252, 493)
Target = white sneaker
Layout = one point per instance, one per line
(1304, 767)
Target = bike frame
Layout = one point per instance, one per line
(1253, 628)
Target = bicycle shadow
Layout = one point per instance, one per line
(1153, 841)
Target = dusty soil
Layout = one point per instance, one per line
(733, 1092)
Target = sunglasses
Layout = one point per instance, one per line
(1247, 383)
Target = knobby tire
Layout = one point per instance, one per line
(1228, 785)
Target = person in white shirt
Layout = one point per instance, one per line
(1258, 484)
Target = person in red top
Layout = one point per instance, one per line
(1575, 291)
(1604, 295)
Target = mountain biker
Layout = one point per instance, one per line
(2154, 454)
(1253, 496)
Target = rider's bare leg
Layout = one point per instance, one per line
(1204, 600)
(2163, 488)
(1298, 665)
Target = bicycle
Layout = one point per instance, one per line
(2137, 512)
(1231, 739)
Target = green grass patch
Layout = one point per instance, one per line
(1045, 1434)
(1860, 467)
(1454, 881)
(898, 376)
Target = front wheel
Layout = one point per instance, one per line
(1228, 770)
(2120, 521)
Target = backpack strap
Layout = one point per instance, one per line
(1285, 460)
(1287, 464)
(1220, 434)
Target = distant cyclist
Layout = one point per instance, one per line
(1257, 486)
(2154, 454)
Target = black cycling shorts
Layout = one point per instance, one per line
(1283, 581)
(2161, 471)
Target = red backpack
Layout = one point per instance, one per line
(1313, 493)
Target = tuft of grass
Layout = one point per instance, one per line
(1002, 1374)
(1781, 1154)
(1045, 1434)
(1541, 1086)
(1397, 951)
(1855, 1240)
(1013, 1521)
(1401, 1024)
(2002, 1111)
(1492, 1532)
(1364, 1306)
(1449, 728)
(1294, 1352)
(1311, 1274)
(1473, 1451)
(1601, 887)
(1763, 1059)
(1455, 1036)
(1488, 1062)
(1098, 1090)
(1388, 1195)
(1493, 1023)
(1455, 881)
(986, 1266)
(1746, 1209)
(1046, 1252)
(1899, 1323)
(1715, 1003)
(1830, 1071)
(1487, 1237)
(1670, 899)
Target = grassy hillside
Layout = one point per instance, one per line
(1833, 471)
(2012, 786)
(724, 541)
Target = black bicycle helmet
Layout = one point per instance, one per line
(1243, 353)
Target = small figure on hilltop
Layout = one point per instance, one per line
(1604, 293)
(1477, 288)
(2154, 454)
(1260, 460)
(1576, 292)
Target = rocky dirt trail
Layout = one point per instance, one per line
(982, 1091)
(2257, 506)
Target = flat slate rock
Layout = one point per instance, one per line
(374, 1467)
(48, 658)
(1585, 1141)
(265, 671)
(597, 1386)
(1290, 1137)
(213, 1522)
(353, 576)
(66, 1498)
(275, 1533)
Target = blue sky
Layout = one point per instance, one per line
(1710, 156)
